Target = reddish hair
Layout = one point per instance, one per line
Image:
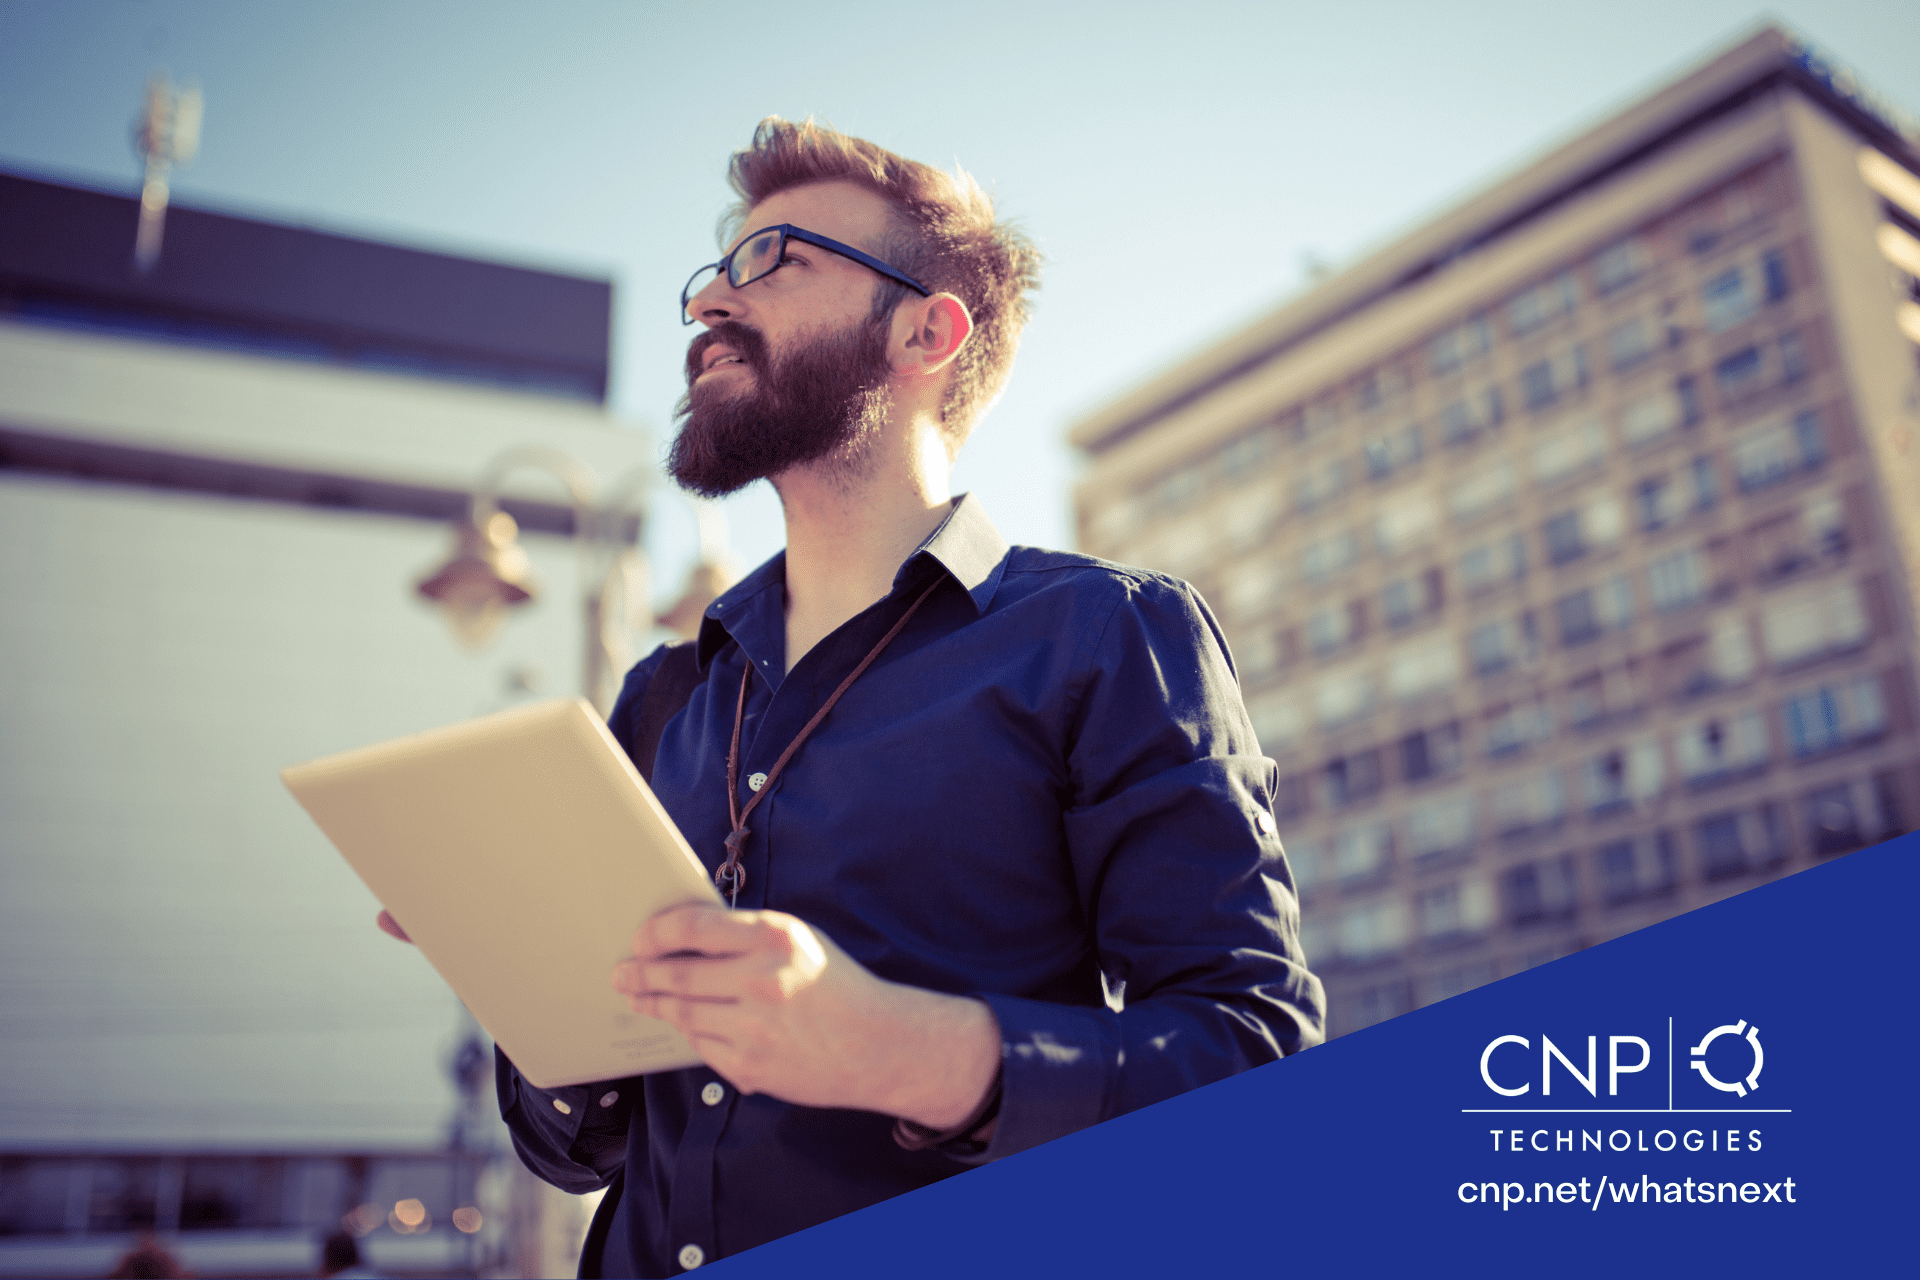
(944, 235)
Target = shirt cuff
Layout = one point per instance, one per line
(1059, 1065)
(569, 1136)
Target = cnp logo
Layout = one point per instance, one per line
(1627, 1055)
(1739, 1088)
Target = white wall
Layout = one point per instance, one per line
(184, 959)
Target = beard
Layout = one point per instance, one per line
(822, 401)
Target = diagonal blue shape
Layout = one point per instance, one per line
(1353, 1155)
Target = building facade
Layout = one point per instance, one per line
(219, 483)
(1567, 548)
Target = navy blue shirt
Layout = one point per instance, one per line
(1044, 794)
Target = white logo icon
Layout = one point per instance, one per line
(1759, 1058)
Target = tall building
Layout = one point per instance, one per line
(219, 483)
(1568, 547)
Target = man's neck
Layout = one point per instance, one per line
(847, 535)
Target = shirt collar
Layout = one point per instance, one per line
(966, 545)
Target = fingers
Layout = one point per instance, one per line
(391, 927)
(711, 931)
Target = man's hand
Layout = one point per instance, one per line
(775, 1007)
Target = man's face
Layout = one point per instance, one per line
(790, 370)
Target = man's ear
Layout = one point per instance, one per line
(928, 333)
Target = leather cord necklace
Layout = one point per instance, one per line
(730, 875)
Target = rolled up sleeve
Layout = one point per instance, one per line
(1174, 854)
(574, 1137)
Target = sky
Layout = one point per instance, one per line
(1144, 146)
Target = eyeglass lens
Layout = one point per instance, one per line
(754, 258)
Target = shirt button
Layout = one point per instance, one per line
(562, 1107)
(692, 1256)
(712, 1094)
(1264, 821)
(757, 780)
(610, 1097)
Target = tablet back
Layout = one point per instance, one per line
(520, 851)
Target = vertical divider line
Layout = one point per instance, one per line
(1669, 1063)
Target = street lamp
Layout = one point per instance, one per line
(488, 573)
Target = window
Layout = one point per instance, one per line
(1492, 563)
(1439, 827)
(1278, 722)
(1678, 580)
(1568, 450)
(1430, 753)
(1342, 698)
(1727, 299)
(1317, 485)
(1482, 492)
(1564, 542)
(1546, 381)
(1827, 620)
(1706, 483)
(1619, 265)
(1377, 1004)
(1542, 304)
(1455, 910)
(1849, 814)
(1518, 725)
(1324, 557)
(1651, 417)
(1308, 865)
(1290, 797)
(1729, 844)
(1405, 601)
(1633, 869)
(1720, 659)
(1381, 386)
(1834, 716)
(1530, 803)
(1601, 695)
(1373, 930)
(1353, 777)
(1460, 344)
(1656, 503)
(1793, 358)
(1251, 586)
(1539, 891)
(1404, 526)
(1331, 629)
(1462, 420)
(1623, 775)
(1721, 746)
(1777, 449)
(1392, 451)
(1774, 268)
(1630, 342)
(1738, 375)
(1587, 615)
(1420, 668)
(1500, 644)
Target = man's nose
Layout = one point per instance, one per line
(716, 302)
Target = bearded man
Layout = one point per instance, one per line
(994, 828)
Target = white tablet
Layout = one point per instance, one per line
(520, 851)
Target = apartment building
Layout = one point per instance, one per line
(1567, 547)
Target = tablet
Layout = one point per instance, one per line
(520, 851)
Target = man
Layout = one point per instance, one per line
(1021, 876)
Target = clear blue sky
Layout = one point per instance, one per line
(1137, 142)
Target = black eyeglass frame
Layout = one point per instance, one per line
(790, 232)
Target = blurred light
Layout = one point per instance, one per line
(467, 1219)
(362, 1218)
(1909, 319)
(408, 1216)
(1899, 248)
(486, 575)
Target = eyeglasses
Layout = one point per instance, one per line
(764, 252)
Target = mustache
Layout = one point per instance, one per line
(748, 343)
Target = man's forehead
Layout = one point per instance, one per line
(839, 210)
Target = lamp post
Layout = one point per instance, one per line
(488, 572)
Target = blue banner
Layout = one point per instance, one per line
(1729, 1091)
